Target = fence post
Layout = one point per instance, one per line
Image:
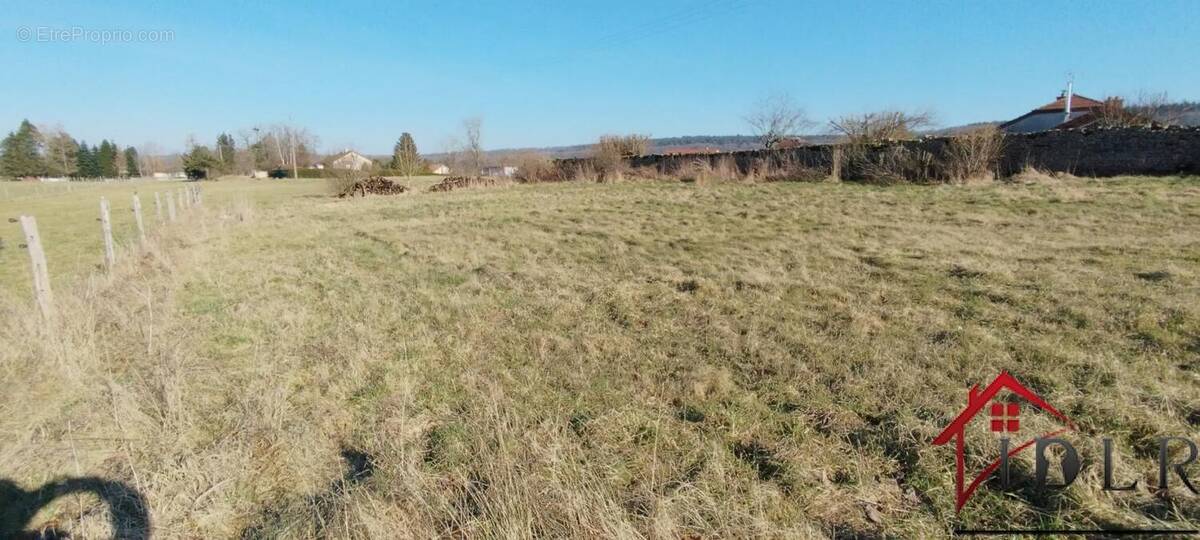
(137, 217)
(110, 254)
(199, 195)
(158, 207)
(37, 259)
(170, 207)
(183, 200)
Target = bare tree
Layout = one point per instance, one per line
(472, 148)
(880, 126)
(149, 154)
(452, 149)
(59, 149)
(1147, 109)
(291, 144)
(775, 118)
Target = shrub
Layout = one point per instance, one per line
(341, 182)
(535, 167)
(973, 155)
(880, 126)
(608, 156)
(887, 164)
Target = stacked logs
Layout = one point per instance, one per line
(460, 182)
(375, 185)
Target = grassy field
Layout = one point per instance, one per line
(624, 360)
(67, 220)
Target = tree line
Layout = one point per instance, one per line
(30, 152)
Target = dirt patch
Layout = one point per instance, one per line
(462, 182)
(375, 185)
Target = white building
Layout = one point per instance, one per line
(439, 168)
(501, 170)
(346, 159)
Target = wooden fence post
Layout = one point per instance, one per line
(41, 275)
(199, 195)
(137, 217)
(170, 207)
(183, 200)
(158, 207)
(110, 254)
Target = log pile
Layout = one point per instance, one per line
(461, 182)
(375, 185)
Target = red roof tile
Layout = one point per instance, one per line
(1078, 102)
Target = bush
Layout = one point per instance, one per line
(880, 126)
(973, 155)
(888, 164)
(535, 167)
(609, 153)
(341, 182)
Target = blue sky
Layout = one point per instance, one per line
(357, 74)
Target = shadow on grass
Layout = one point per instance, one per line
(128, 514)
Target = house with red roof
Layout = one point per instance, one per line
(1068, 111)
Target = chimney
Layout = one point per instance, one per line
(1067, 114)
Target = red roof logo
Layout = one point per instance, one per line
(1004, 417)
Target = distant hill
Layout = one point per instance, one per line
(661, 145)
(1185, 113)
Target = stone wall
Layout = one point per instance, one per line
(1106, 152)
(1083, 152)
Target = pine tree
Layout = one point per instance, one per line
(131, 163)
(133, 167)
(85, 161)
(106, 160)
(200, 163)
(404, 155)
(20, 153)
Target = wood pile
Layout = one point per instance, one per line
(461, 182)
(375, 185)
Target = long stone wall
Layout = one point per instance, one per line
(1083, 152)
(1106, 152)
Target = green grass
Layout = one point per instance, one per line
(639, 359)
(69, 226)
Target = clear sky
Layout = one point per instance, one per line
(357, 74)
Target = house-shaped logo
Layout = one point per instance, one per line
(1004, 419)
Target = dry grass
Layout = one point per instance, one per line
(630, 360)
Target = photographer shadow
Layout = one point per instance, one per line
(128, 513)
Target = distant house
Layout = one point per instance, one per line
(1071, 111)
(258, 174)
(501, 170)
(439, 168)
(161, 176)
(346, 159)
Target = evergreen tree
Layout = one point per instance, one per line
(85, 161)
(404, 155)
(200, 163)
(20, 153)
(106, 160)
(131, 162)
(226, 152)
